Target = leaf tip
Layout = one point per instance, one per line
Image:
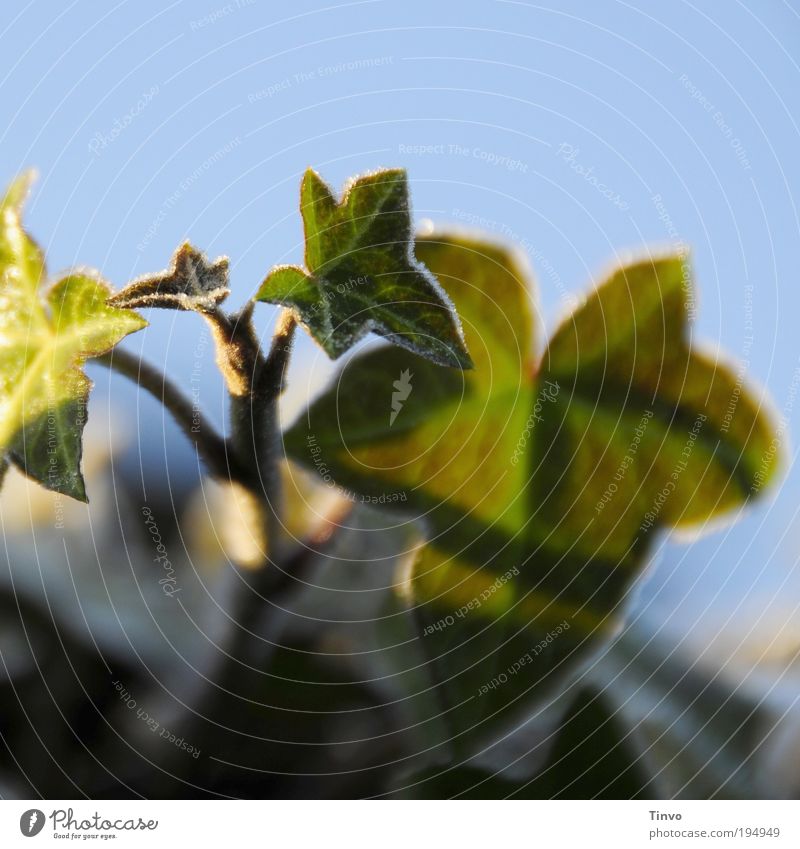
(280, 283)
(392, 174)
(18, 190)
(312, 179)
(78, 492)
(464, 360)
(452, 356)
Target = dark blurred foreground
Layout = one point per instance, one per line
(116, 680)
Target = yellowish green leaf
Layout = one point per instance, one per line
(45, 337)
(527, 560)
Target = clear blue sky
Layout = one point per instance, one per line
(154, 121)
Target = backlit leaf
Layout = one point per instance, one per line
(527, 558)
(45, 337)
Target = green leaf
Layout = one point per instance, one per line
(44, 340)
(190, 283)
(653, 433)
(362, 275)
(515, 583)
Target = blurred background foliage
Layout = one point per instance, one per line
(331, 711)
(220, 115)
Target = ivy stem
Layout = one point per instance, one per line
(258, 594)
(257, 426)
(212, 448)
(270, 386)
(273, 377)
(252, 458)
(255, 384)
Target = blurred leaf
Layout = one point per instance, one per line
(44, 341)
(515, 583)
(362, 274)
(53, 682)
(592, 757)
(645, 432)
(190, 283)
(704, 732)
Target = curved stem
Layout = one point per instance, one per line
(265, 419)
(213, 449)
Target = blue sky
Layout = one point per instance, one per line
(580, 132)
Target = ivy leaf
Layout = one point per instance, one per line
(654, 433)
(190, 283)
(526, 561)
(362, 274)
(45, 337)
